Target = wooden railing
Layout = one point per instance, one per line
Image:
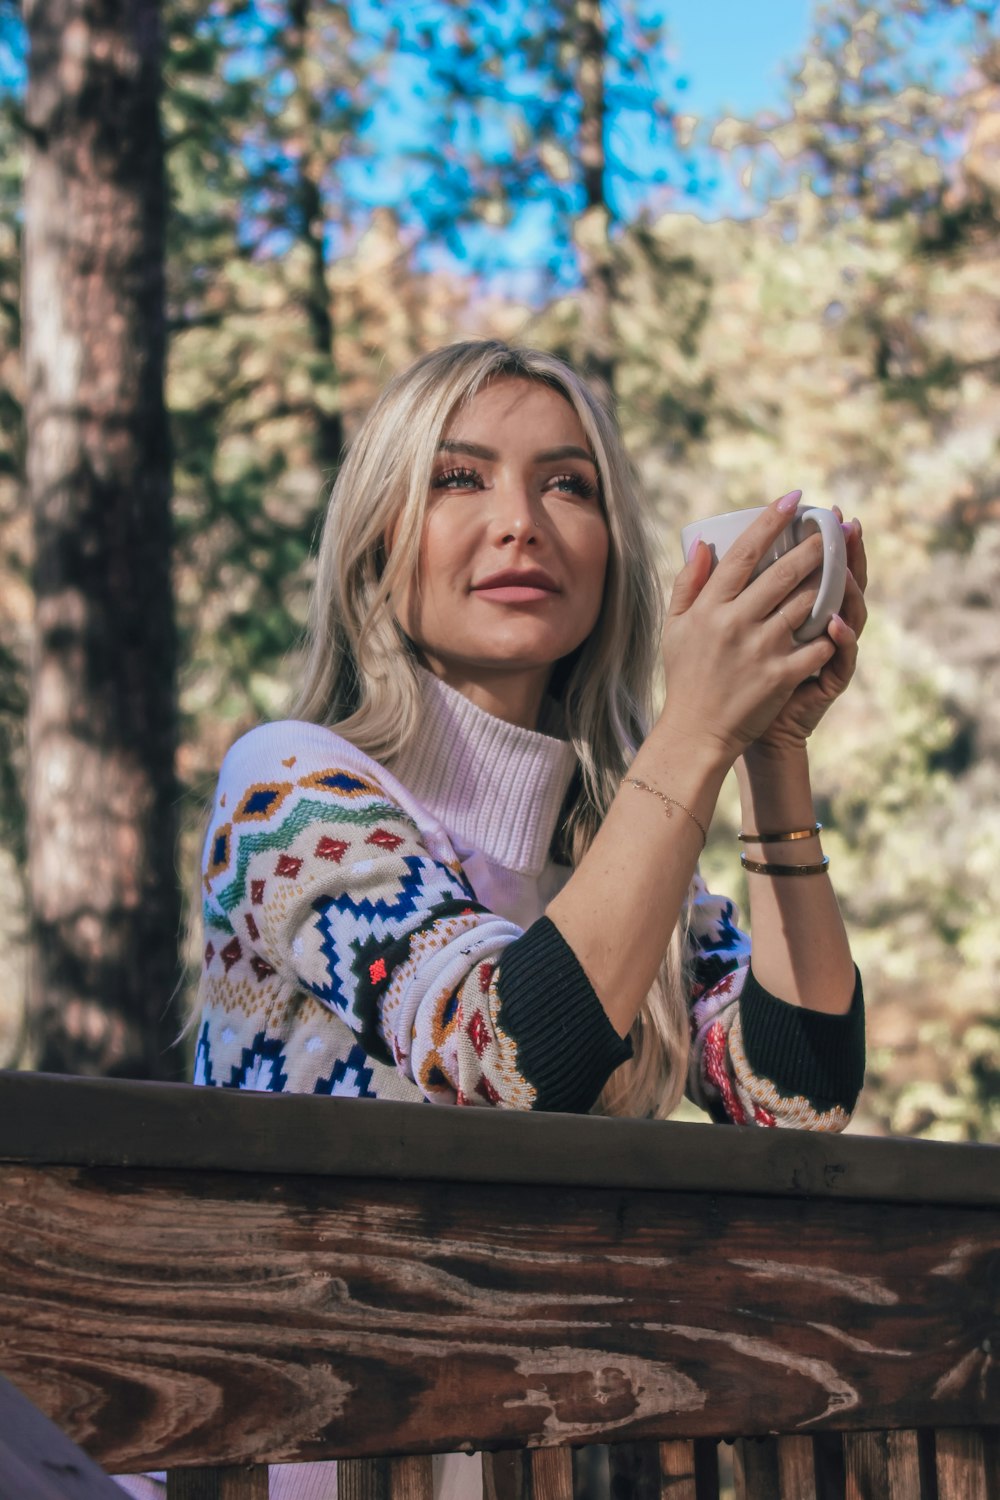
(206, 1282)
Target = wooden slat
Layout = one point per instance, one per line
(167, 1125)
(828, 1458)
(882, 1466)
(551, 1474)
(39, 1461)
(554, 1315)
(411, 1478)
(507, 1475)
(796, 1469)
(242, 1482)
(677, 1471)
(363, 1479)
(755, 1469)
(961, 1465)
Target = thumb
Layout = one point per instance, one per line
(691, 579)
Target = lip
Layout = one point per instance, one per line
(517, 585)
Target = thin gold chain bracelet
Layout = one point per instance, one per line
(669, 803)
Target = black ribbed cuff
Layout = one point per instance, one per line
(566, 1046)
(805, 1052)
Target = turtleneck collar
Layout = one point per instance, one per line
(494, 786)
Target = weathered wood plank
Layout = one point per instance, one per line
(677, 1471)
(796, 1469)
(39, 1461)
(153, 1332)
(177, 1126)
(363, 1479)
(238, 1482)
(962, 1460)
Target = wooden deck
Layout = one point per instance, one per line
(196, 1279)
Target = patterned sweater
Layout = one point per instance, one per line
(381, 934)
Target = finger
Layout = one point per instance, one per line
(794, 571)
(857, 558)
(854, 610)
(737, 567)
(839, 670)
(690, 580)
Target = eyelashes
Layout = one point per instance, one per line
(471, 479)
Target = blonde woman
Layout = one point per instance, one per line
(465, 870)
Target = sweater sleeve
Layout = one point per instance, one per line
(318, 878)
(756, 1060)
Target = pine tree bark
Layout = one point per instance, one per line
(102, 720)
(594, 225)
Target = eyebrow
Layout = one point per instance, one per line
(548, 455)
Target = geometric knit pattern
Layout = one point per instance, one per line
(346, 953)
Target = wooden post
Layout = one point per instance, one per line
(233, 1482)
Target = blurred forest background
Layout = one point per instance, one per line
(279, 203)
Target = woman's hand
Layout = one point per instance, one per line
(732, 663)
(796, 720)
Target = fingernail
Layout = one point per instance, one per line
(693, 547)
(788, 502)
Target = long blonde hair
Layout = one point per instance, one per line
(360, 672)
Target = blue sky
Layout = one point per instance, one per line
(734, 53)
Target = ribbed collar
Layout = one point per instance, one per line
(495, 787)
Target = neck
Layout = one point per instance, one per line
(512, 695)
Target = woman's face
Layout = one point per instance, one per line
(514, 549)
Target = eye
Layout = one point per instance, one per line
(575, 484)
(458, 479)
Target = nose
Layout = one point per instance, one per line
(516, 517)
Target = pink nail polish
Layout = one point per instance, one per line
(788, 503)
(693, 547)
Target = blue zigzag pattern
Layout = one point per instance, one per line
(345, 924)
(351, 1077)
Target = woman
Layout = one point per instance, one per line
(466, 871)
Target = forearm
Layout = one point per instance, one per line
(620, 906)
(800, 948)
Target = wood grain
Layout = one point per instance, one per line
(677, 1471)
(962, 1460)
(796, 1469)
(882, 1466)
(242, 1482)
(167, 1319)
(176, 1125)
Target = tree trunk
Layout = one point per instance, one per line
(593, 227)
(102, 721)
(308, 195)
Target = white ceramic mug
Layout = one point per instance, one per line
(720, 532)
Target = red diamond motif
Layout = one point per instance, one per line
(333, 849)
(252, 926)
(377, 971)
(384, 839)
(487, 1091)
(485, 977)
(288, 866)
(261, 969)
(257, 892)
(478, 1033)
(231, 954)
(209, 953)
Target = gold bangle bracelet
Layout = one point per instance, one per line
(669, 803)
(780, 838)
(760, 867)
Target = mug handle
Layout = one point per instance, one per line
(834, 577)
